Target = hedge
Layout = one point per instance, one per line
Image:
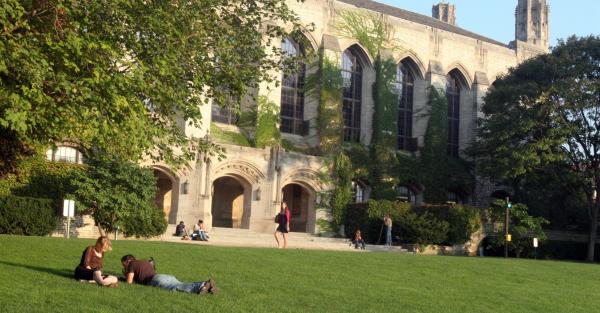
(27, 216)
(421, 225)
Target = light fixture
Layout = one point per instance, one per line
(257, 194)
(184, 187)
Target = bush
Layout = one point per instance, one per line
(120, 195)
(439, 224)
(463, 220)
(27, 216)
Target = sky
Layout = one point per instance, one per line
(496, 18)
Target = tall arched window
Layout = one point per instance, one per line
(352, 83)
(405, 81)
(453, 96)
(292, 94)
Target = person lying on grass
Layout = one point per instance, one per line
(142, 272)
(91, 263)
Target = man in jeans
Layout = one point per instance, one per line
(142, 272)
(387, 221)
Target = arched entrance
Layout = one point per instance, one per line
(231, 203)
(165, 195)
(301, 201)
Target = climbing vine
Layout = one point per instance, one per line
(267, 119)
(434, 157)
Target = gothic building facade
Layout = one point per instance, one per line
(245, 189)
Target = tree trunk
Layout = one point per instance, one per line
(593, 231)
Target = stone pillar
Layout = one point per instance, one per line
(444, 12)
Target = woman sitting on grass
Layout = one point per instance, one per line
(90, 266)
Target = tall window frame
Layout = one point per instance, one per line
(352, 72)
(453, 95)
(405, 81)
(292, 90)
(225, 114)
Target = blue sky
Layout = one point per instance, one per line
(496, 18)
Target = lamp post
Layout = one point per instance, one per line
(506, 234)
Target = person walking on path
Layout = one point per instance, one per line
(91, 264)
(283, 225)
(387, 222)
(142, 272)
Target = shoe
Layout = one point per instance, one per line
(206, 287)
(213, 287)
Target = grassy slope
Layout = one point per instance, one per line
(35, 277)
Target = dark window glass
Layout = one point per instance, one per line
(352, 94)
(405, 82)
(453, 96)
(224, 114)
(292, 94)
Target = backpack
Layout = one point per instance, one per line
(277, 218)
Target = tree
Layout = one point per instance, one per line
(126, 75)
(120, 196)
(522, 226)
(545, 115)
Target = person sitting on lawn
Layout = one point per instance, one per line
(91, 264)
(199, 232)
(181, 231)
(142, 272)
(358, 240)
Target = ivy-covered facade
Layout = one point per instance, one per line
(378, 103)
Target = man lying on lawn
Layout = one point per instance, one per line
(142, 272)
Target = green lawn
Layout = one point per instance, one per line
(35, 276)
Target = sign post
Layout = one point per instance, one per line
(535, 245)
(68, 212)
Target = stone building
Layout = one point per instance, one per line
(245, 189)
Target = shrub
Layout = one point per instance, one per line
(27, 216)
(368, 217)
(120, 195)
(462, 220)
(424, 228)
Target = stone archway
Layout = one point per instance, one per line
(301, 201)
(166, 194)
(231, 198)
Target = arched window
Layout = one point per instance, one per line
(292, 94)
(64, 154)
(352, 84)
(405, 81)
(406, 194)
(225, 114)
(358, 192)
(453, 97)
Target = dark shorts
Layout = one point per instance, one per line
(83, 273)
(282, 229)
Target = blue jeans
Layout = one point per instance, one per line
(200, 234)
(388, 236)
(171, 283)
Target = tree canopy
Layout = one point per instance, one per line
(545, 115)
(126, 75)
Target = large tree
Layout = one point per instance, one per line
(545, 115)
(125, 75)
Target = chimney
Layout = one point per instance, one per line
(444, 12)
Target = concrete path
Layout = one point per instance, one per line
(229, 237)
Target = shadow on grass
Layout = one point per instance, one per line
(67, 273)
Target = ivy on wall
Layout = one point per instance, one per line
(434, 158)
(267, 119)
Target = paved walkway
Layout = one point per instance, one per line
(229, 237)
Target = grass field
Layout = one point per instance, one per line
(35, 276)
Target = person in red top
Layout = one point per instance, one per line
(91, 264)
(283, 225)
(288, 214)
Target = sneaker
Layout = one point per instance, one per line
(213, 287)
(205, 288)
